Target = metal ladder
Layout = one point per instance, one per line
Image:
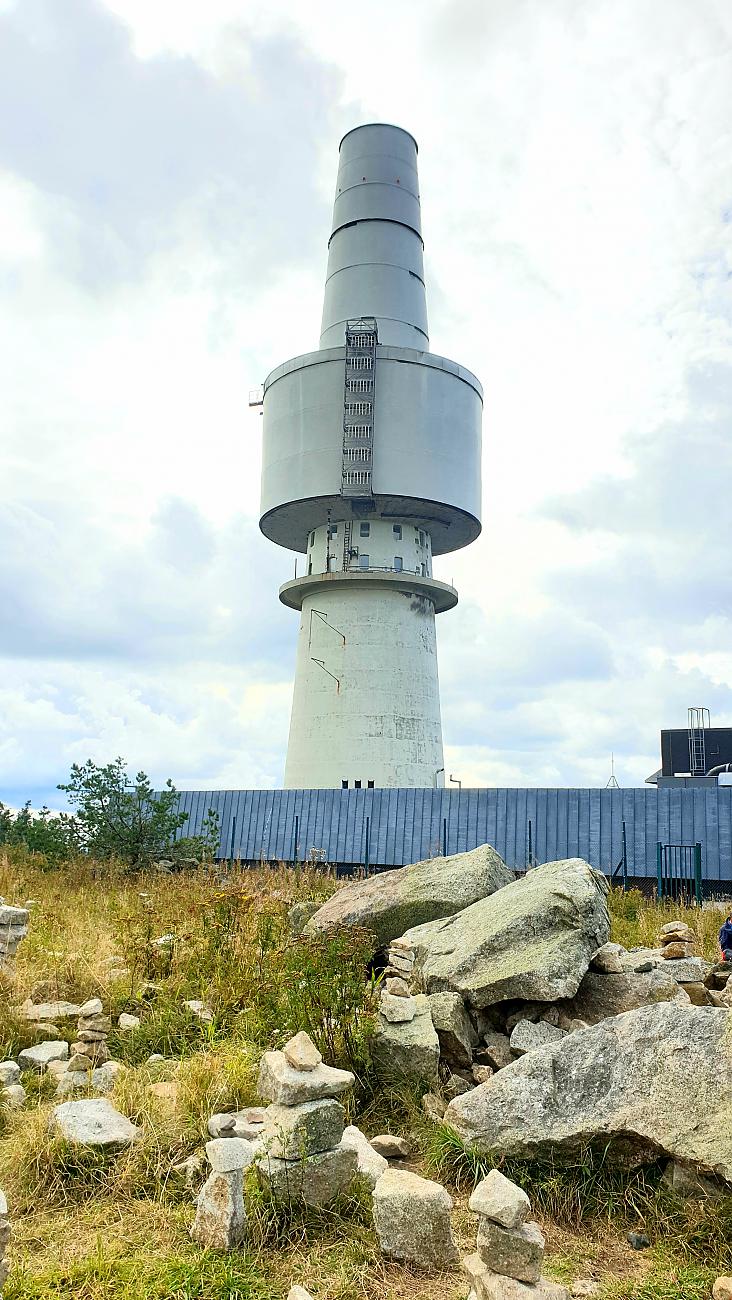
(698, 722)
(358, 410)
(347, 539)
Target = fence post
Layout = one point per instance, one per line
(659, 870)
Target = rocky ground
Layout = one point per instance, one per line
(496, 1095)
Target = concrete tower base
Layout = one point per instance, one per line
(366, 705)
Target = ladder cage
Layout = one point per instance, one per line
(358, 416)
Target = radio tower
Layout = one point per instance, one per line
(371, 466)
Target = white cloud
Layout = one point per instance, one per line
(165, 179)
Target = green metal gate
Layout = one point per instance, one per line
(679, 870)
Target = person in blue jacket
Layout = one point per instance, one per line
(725, 939)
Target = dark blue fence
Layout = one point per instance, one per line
(388, 828)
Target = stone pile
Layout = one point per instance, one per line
(676, 941)
(92, 1028)
(303, 1155)
(412, 1220)
(4, 1238)
(13, 928)
(221, 1220)
(399, 969)
(510, 1249)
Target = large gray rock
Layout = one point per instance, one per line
(412, 1220)
(38, 1058)
(389, 903)
(93, 1123)
(532, 940)
(221, 1220)
(371, 1165)
(487, 1285)
(291, 1132)
(527, 1036)
(600, 996)
(454, 1028)
(407, 1050)
(279, 1082)
(316, 1181)
(651, 1082)
(514, 1252)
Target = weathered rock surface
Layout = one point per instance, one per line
(412, 1220)
(391, 1146)
(93, 1123)
(607, 960)
(31, 1010)
(527, 1036)
(407, 1050)
(488, 1285)
(221, 1220)
(625, 1081)
(317, 1181)
(397, 1010)
(722, 1289)
(495, 1050)
(688, 970)
(391, 902)
(301, 1052)
(532, 940)
(370, 1165)
(9, 1073)
(455, 1031)
(39, 1057)
(514, 1252)
(292, 1132)
(280, 1083)
(600, 996)
(497, 1198)
(227, 1154)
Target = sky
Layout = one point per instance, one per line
(166, 179)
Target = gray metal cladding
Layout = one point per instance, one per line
(409, 825)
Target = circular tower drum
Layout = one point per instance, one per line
(371, 465)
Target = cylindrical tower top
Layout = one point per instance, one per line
(375, 261)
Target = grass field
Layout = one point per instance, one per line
(118, 1229)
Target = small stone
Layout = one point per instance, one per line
(278, 1082)
(497, 1198)
(31, 1010)
(495, 1050)
(586, 1287)
(93, 1123)
(433, 1106)
(88, 1036)
(155, 1058)
(105, 1076)
(391, 1147)
(673, 951)
(689, 1184)
(190, 1171)
(301, 1052)
(397, 987)
(401, 965)
(399, 1010)
(607, 960)
(526, 1036)
(57, 1068)
(72, 1081)
(722, 1289)
(93, 1007)
(482, 1073)
(127, 1022)
(298, 1293)
(221, 1221)
(249, 1123)
(226, 1154)
(293, 1132)
(14, 1096)
(513, 1252)
(412, 1220)
(94, 1024)
(9, 1073)
(222, 1126)
(371, 1165)
(697, 993)
(675, 928)
(37, 1058)
(79, 1062)
(638, 1240)
(456, 1085)
(402, 946)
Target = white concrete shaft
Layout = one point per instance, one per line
(369, 711)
